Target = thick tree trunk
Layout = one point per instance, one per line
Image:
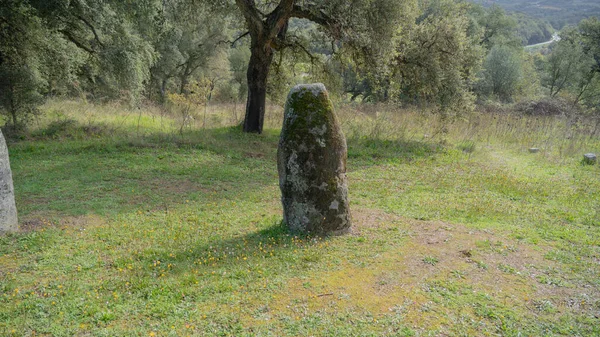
(258, 73)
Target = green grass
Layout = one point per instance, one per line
(131, 228)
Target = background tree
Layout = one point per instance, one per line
(101, 47)
(20, 87)
(532, 30)
(23, 52)
(573, 67)
(437, 61)
(238, 63)
(567, 62)
(502, 73)
(185, 44)
(590, 36)
(368, 27)
(496, 27)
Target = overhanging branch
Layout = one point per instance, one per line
(92, 28)
(277, 20)
(297, 45)
(76, 42)
(239, 38)
(313, 14)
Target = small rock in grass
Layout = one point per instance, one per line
(8, 209)
(589, 158)
(311, 160)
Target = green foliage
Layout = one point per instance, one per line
(20, 82)
(27, 63)
(20, 95)
(438, 59)
(238, 61)
(123, 68)
(373, 28)
(590, 35)
(530, 85)
(567, 63)
(496, 27)
(502, 73)
(434, 54)
(190, 35)
(572, 68)
(533, 30)
(99, 47)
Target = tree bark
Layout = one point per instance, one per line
(13, 113)
(184, 79)
(163, 89)
(267, 33)
(258, 72)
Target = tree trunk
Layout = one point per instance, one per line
(163, 89)
(13, 114)
(258, 73)
(184, 78)
(13, 108)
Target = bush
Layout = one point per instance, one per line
(546, 107)
(503, 70)
(19, 95)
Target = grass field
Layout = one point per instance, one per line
(138, 222)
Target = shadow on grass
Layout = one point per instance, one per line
(367, 152)
(219, 140)
(117, 173)
(273, 242)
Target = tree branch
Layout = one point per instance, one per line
(297, 45)
(278, 18)
(72, 38)
(87, 23)
(239, 38)
(251, 14)
(313, 14)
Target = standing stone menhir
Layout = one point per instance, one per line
(8, 209)
(311, 160)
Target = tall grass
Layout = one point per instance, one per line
(558, 137)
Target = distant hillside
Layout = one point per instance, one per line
(532, 30)
(557, 12)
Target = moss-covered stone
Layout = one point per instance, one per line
(8, 210)
(311, 160)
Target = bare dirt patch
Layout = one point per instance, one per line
(437, 252)
(365, 220)
(36, 222)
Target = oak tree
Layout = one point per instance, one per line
(366, 27)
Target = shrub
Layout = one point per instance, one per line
(19, 95)
(546, 107)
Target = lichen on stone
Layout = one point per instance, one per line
(8, 209)
(312, 163)
(315, 89)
